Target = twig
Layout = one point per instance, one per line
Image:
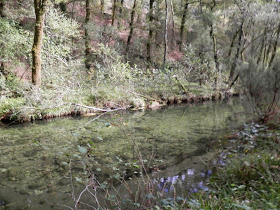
(98, 109)
(24, 72)
(79, 198)
(71, 180)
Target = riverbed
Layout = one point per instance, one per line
(37, 160)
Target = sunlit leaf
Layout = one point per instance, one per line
(78, 179)
(82, 150)
(99, 138)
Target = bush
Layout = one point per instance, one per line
(262, 86)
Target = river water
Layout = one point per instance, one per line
(38, 159)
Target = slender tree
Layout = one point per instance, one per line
(2, 5)
(131, 26)
(40, 11)
(151, 18)
(183, 21)
(214, 43)
(274, 47)
(165, 32)
(120, 13)
(88, 62)
(114, 10)
(173, 43)
(233, 77)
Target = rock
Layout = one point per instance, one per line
(154, 105)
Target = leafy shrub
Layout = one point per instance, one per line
(262, 86)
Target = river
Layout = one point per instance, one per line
(38, 159)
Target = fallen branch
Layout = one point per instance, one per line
(98, 109)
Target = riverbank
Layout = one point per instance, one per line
(24, 103)
(248, 177)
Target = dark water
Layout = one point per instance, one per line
(34, 158)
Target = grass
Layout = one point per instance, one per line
(251, 178)
(54, 98)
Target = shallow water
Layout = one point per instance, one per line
(34, 158)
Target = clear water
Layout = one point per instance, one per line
(34, 158)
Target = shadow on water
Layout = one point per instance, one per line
(34, 158)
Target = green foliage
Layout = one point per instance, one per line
(11, 106)
(15, 43)
(59, 32)
(250, 182)
(262, 86)
(250, 179)
(111, 66)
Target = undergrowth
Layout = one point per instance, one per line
(251, 177)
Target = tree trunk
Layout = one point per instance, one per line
(274, 47)
(215, 54)
(182, 28)
(120, 14)
(2, 5)
(88, 62)
(131, 26)
(232, 43)
(114, 9)
(173, 43)
(262, 46)
(157, 22)
(165, 33)
(151, 18)
(40, 11)
(213, 37)
(233, 77)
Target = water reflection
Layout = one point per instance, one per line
(189, 181)
(34, 158)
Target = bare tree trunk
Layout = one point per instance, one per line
(131, 26)
(173, 43)
(151, 18)
(157, 31)
(120, 13)
(268, 49)
(40, 11)
(165, 33)
(274, 47)
(233, 77)
(88, 62)
(182, 28)
(232, 43)
(2, 6)
(262, 46)
(114, 9)
(215, 54)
